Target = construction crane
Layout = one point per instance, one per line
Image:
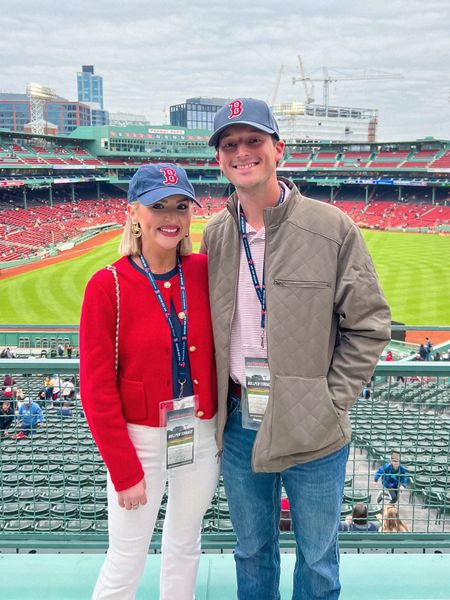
(332, 75)
(271, 101)
(308, 86)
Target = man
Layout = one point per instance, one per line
(299, 315)
(29, 418)
(6, 415)
(393, 478)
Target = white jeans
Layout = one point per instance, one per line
(189, 494)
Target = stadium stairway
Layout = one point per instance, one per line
(72, 577)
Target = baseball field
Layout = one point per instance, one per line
(413, 268)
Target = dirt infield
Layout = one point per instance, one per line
(74, 252)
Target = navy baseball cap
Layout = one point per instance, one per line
(244, 111)
(151, 183)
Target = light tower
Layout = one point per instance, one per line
(39, 95)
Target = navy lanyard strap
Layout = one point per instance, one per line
(259, 289)
(180, 350)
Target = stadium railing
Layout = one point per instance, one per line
(53, 484)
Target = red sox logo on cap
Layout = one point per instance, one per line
(170, 176)
(236, 109)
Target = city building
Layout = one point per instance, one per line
(316, 122)
(15, 112)
(90, 86)
(196, 113)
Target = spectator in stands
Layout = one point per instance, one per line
(60, 350)
(41, 398)
(49, 384)
(428, 349)
(69, 351)
(422, 352)
(391, 522)
(29, 418)
(9, 380)
(7, 353)
(67, 389)
(437, 356)
(6, 415)
(389, 356)
(358, 520)
(366, 391)
(394, 478)
(285, 517)
(65, 410)
(164, 322)
(8, 392)
(321, 287)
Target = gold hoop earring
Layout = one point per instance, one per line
(136, 230)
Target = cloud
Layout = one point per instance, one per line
(152, 54)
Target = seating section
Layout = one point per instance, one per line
(443, 162)
(392, 214)
(55, 481)
(384, 160)
(413, 417)
(25, 231)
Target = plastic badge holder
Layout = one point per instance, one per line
(255, 395)
(178, 426)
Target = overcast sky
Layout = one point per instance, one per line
(152, 54)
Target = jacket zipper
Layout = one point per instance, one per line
(302, 284)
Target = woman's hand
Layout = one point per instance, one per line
(132, 497)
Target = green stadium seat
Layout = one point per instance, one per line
(49, 525)
(92, 511)
(36, 509)
(10, 510)
(79, 526)
(102, 526)
(64, 510)
(19, 525)
(6, 495)
(53, 495)
(77, 495)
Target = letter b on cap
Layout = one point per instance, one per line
(170, 176)
(235, 109)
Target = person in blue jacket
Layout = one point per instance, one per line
(394, 478)
(30, 417)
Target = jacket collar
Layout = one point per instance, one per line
(273, 216)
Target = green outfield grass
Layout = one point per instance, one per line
(413, 268)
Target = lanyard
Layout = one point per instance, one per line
(259, 289)
(181, 351)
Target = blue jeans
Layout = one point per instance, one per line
(315, 494)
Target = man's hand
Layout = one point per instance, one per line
(133, 497)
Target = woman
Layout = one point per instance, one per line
(156, 304)
(391, 522)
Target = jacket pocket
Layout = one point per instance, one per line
(302, 284)
(134, 403)
(304, 418)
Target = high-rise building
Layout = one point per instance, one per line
(196, 113)
(90, 86)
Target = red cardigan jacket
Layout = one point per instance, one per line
(145, 357)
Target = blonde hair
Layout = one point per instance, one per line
(132, 246)
(391, 520)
